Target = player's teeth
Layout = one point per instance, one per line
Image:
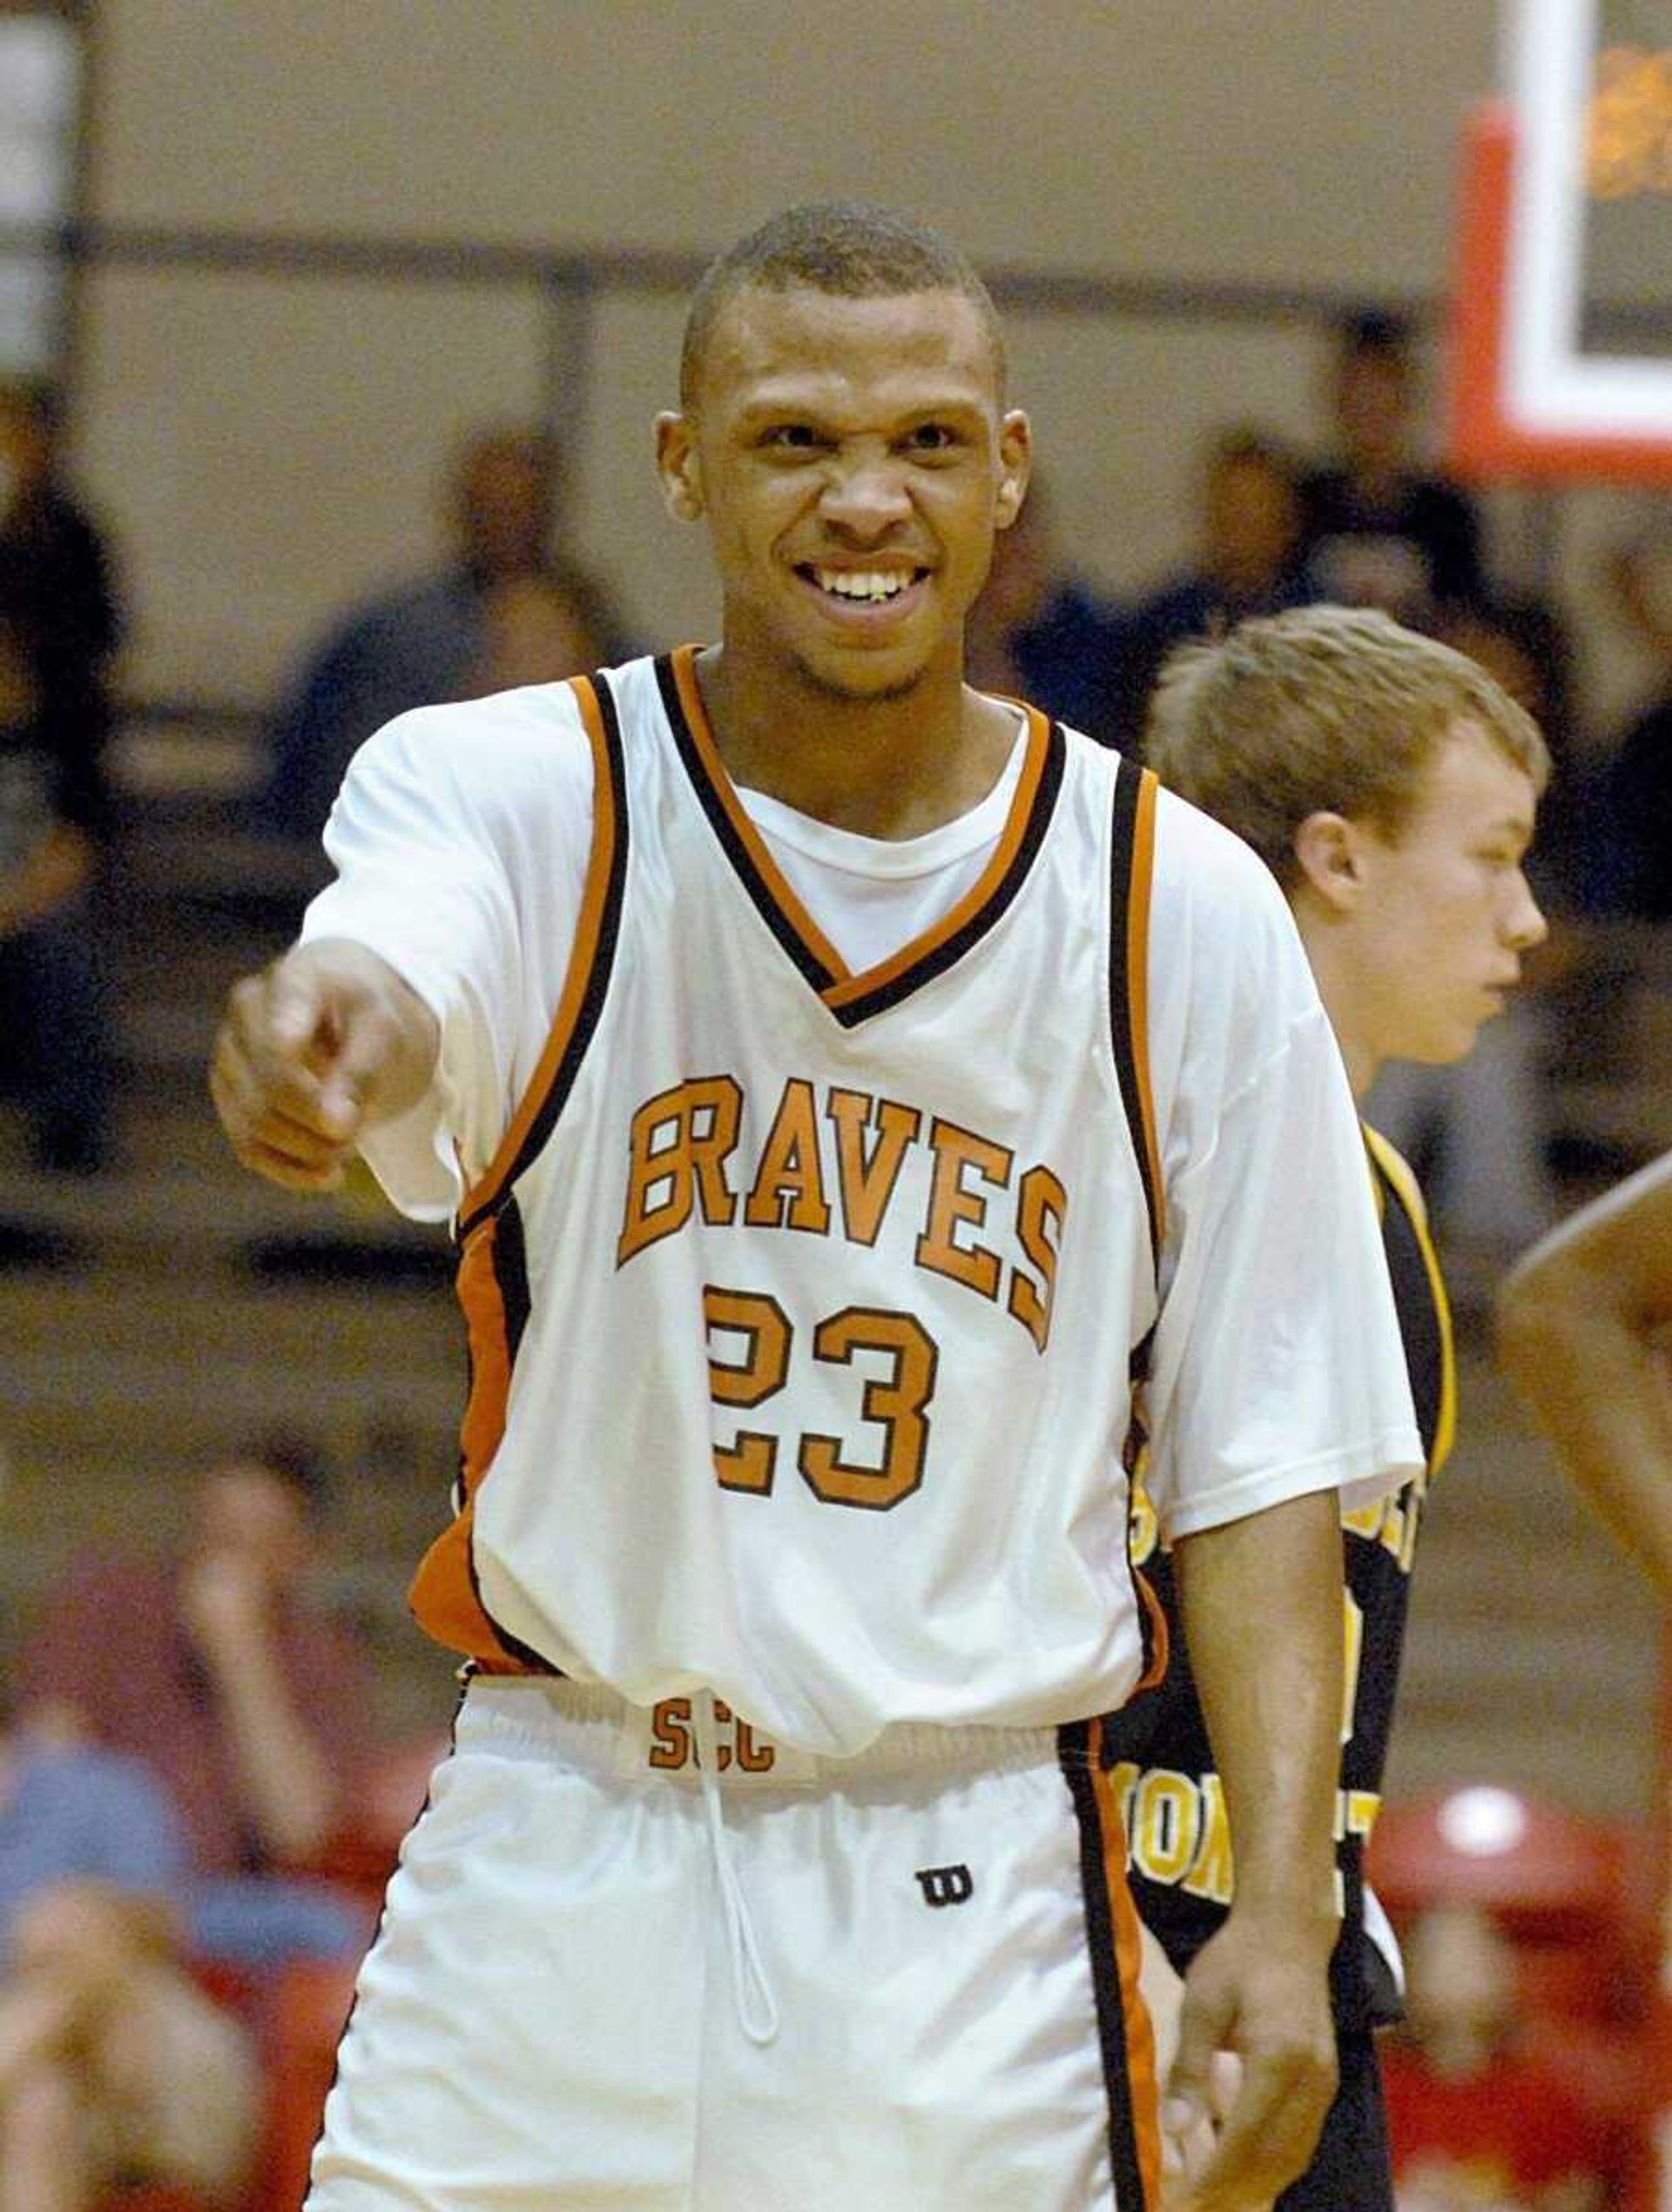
(868, 584)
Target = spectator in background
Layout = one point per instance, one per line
(1524, 642)
(116, 2070)
(1629, 855)
(62, 624)
(424, 641)
(540, 628)
(1476, 2125)
(69, 1810)
(1379, 529)
(57, 562)
(217, 1670)
(1248, 533)
(1039, 632)
(114, 2066)
(53, 1053)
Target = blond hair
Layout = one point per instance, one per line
(1323, 709)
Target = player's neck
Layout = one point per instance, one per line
(1345, 1002)
(893, 767)
(1363, 1057)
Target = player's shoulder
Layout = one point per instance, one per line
(529, 748)
(1623, 1238)
(1214, 899)
(535, 718)
(1227, 974)
(1193, 853)
(1199, 857)
(1208, 890)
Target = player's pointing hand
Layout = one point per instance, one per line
(312, 1050)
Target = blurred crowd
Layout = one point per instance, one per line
(1525, 2074)
(186, 1762)
(186, 1747)
(1480, 2120)
(506, 600)
(197, 1818)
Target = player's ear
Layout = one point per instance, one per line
(1329, 850)
(679, 466)
(1016, 466)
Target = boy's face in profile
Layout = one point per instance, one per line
(1446, 912)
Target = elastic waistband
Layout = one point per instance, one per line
(594, 1727)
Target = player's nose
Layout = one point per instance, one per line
(866, 497)
(1526, 925)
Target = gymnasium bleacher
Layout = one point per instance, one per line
(155, 1314)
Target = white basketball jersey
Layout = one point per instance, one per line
(804, 1305)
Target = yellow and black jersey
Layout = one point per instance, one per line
(1163, 1768)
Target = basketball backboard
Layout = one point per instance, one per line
(1561, 326)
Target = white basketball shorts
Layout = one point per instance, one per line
(615, 1974)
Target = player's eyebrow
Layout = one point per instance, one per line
(804, 405)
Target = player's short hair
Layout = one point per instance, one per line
(846, 247)
(1323, 709)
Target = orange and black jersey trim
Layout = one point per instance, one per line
(1132, 856)
(853, 998)
(1114, 1947)
(493, 1277)
(1132, 859)
(591, 960)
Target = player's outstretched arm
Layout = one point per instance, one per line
(324, 1043)
(1261, 1601)
(1581, 1323)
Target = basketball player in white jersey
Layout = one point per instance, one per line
(1582, 1333)
(858, 1103)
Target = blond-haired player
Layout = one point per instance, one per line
(1390, 786)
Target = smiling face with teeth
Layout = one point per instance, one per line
(852, 459)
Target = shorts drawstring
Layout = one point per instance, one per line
(756, 2006)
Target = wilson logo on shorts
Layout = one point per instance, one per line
(946, 1884)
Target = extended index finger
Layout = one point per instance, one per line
(269, 1023)
(260, 1071)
